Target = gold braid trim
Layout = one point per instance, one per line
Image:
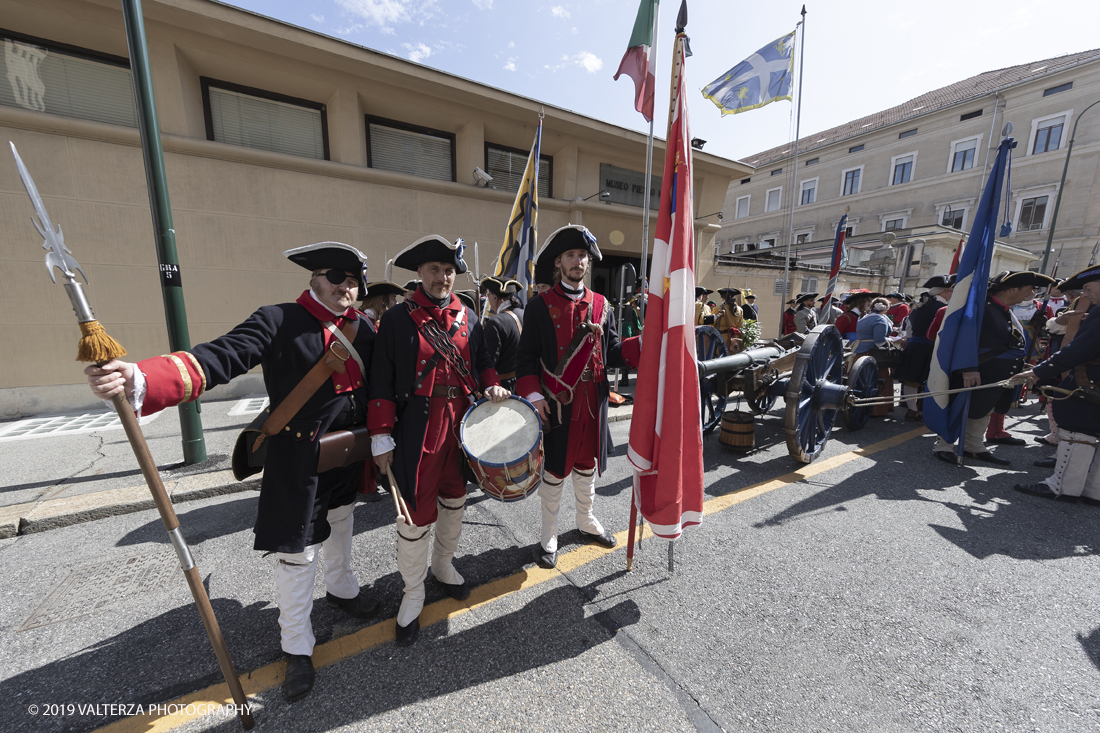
(187, 386)
(198, 370)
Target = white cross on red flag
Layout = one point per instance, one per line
(666, 435)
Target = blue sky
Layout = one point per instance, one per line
(861, 55)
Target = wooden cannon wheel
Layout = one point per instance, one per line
(709, 345)
(862, 380)
(815, 393)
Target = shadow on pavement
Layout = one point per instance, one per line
(1091, 645)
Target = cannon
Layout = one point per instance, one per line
(807, 371)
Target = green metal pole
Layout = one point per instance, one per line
(175, 312)
(1061, 187)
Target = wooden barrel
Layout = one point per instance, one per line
(738, 430)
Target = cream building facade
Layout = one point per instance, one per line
(274, 137)
(917, 170)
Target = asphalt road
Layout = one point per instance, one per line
(874, 590)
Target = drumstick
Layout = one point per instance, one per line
(398, 500)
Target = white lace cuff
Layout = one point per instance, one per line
(380, 444)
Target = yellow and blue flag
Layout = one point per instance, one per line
(517, 254)
(761, 79)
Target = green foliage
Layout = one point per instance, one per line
(750, 333)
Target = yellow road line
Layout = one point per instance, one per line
(271, 675)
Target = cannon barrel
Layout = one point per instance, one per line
(743, 360)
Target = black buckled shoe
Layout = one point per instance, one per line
(361, 606)
(604, 538)
(299, 677)
(1046, 462)
(946, 456)
(544, 559)
(988, 458)
(407, 635)
(459, 592)
(1044, 491)
(1007, 440)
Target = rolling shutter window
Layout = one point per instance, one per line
(507, 167)
(47, 80)
(255, 122)
(413, 153)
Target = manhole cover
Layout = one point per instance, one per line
(98, 586)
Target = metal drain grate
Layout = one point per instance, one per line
(88, 422)
(250, 406)
(98, 586)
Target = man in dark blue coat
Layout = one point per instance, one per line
(429, 366)
(503, 327)
(917, 357)
(1076, 371)
(568, 343)
(300, 511)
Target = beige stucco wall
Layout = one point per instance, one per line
(236, 209)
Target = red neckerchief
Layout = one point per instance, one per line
(454, 307)
(352, 377)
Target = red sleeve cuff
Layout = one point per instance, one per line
(381, 416)
(631, 351)
(489, 378)
(171, 380)
(528, 385)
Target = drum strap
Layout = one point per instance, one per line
(445, 348)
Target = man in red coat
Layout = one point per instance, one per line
(568, 343)
(429, 365)
(898, 309)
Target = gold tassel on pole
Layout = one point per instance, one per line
(96, 345)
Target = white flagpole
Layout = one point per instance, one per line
(794, 175)
(649, 164)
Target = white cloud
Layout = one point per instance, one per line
(511, 65)
(559, 12)
(483, 4)
(574, 31)
(317, 18)
(590, 61)
(387, 13)
(511, 44)
(417, 51)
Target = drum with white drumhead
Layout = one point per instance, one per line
(503, 445)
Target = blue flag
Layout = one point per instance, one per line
(760, 79)
(956, 347)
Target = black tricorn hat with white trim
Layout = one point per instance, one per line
(1077, 280)
(432, 248)
(1008, 279)
(570, 236)
(499, 286)
(334, 255)
(940, 281)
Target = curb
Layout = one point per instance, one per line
(31, 517)
(42, 516)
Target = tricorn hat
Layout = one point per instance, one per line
(333, 255)
(750, 296)
(383, 288)
(412, 285)
(570, 236)
(1077, 280)
(896, 295)
(805, 296)
(792, 301)
(432, 248)
(728, 292)
(940, 281)
(499, 286)
(1009, 279)
(469, 297)
(700, 290)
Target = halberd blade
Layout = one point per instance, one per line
(57, 254)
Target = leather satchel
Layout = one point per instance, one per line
(250, 448)
(341, 448)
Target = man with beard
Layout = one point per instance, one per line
(917, 357)
(429, 365)
(569, 341)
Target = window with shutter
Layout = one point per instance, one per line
(415, 151)
(506, 166)
(255, 118)
(42, 76)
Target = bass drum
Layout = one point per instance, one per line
(503, 446)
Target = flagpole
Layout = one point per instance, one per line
(794, 170)
(649, 168)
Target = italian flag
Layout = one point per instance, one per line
(638, 62)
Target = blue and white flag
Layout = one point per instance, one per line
(760, 79)
(956, 348)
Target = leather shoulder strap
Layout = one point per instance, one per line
(515, 318)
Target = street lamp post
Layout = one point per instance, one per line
(1061, 187)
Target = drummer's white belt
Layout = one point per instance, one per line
(1077, 470)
